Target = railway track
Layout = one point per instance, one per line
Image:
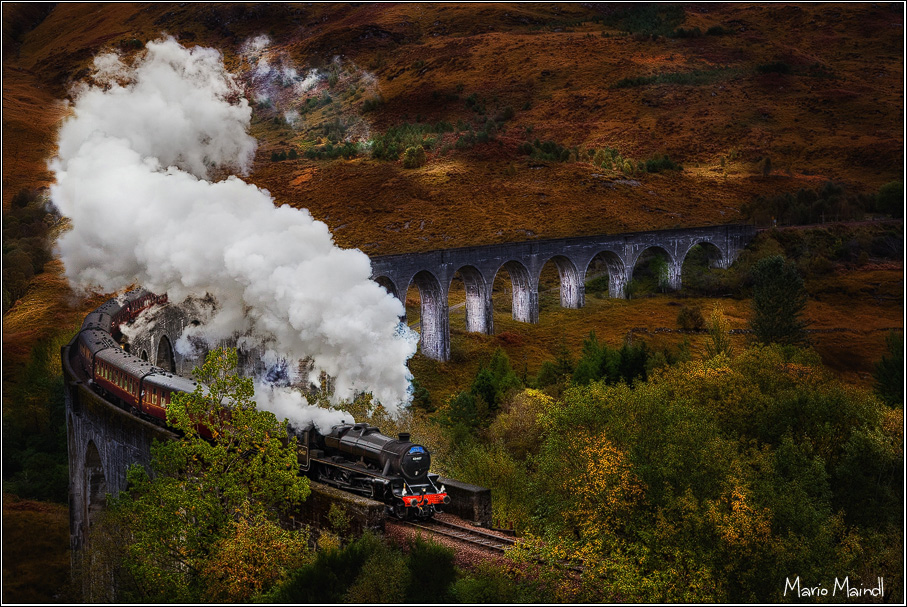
(469, 535)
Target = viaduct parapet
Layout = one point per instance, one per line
(434, 271)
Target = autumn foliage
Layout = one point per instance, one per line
(204, 524)
(711, 481)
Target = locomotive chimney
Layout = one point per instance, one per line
(404, 437)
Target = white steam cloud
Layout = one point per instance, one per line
(131, 174)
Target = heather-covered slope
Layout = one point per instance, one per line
(816, 88)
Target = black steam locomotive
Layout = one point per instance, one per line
(356, 458)
(359, 459)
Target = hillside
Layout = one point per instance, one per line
(816, 88)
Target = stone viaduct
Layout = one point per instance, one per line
(103, 441)
(433, 272)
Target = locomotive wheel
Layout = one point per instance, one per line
(401, 512)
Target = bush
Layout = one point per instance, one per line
(690, 318)
(717, 30)
(548, 150)
(829, 203)
(432, 572)
(599, 362)
(890, 199)
(414, 157)
(693, 32)
(775, 67)
(372, 103)
(330, 152)
(329, 578)
(657, 164)
(489, 584)
(505, 114)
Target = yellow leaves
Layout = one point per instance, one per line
(710, 373)
(605, 486)
(741, 526)
(796, 371)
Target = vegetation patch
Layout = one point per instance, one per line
(26, 248)
(831, 202)
(691, 78)
(394, 142)
(648, 19)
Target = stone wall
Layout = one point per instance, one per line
(363, 513)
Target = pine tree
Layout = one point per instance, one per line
(779, 299)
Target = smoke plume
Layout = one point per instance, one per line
(132, 174)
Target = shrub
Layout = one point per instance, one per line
(414, 157)
(548, 150)
(719, 342)
(330, 152)
(328, 579)
(432, 572)
(657, 164)
(775, 67)
(690, 318)
(717, 30)
(693, 32)
(890, 199)
(504, 115)
(598, 285)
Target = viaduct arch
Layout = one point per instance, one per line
(433, 272)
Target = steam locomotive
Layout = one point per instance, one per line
(359, 459)
(352, 457)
